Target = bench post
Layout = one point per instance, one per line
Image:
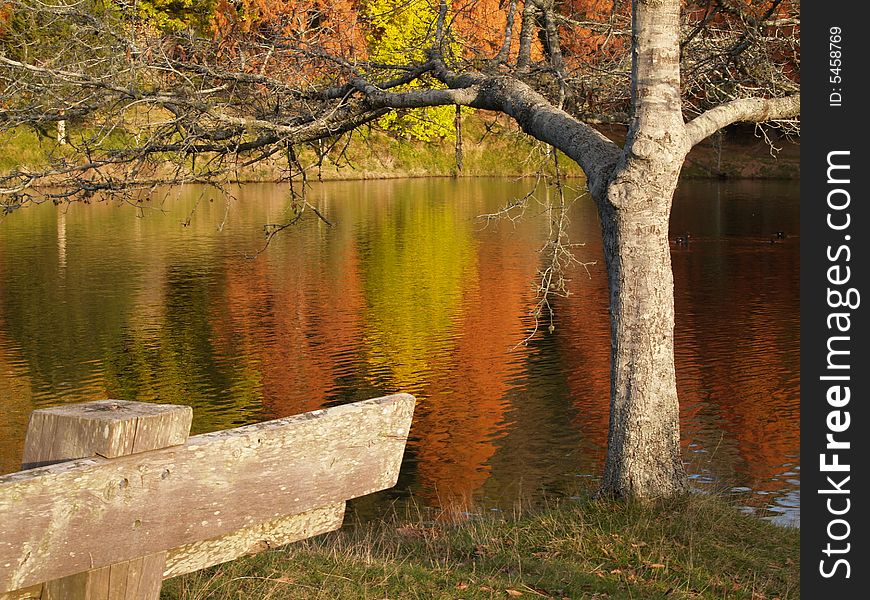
(115, 497)
(108, 428)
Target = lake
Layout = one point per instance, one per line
(409, 291)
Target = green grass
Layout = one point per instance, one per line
(22, 147)
(696, 547)
(493, 145)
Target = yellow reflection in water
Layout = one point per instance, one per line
(419, 258)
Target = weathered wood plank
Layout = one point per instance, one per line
(150, 579)
(61, 519)
(108, 428)
(137, 579)
(271, 534)
(74, 586)
(33, 592)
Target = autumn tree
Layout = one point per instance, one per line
(177, 15)
(673, 72)
(399, 33)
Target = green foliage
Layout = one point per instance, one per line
(400, 31)
(178, 15)
(36, 36)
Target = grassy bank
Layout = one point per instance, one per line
(697, 547)
(492, 146)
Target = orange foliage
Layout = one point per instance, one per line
(339, 27)
(583, 42)
(332, 25)
(5, 13)
(480, 26)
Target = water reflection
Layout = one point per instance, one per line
(738, 364)
(408, 292)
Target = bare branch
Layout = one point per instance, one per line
(466, 96)
(753, 110)
(527, 32)
(502, 55)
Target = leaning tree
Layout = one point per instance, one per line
(156, 106)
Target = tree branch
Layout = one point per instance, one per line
(527, 30)
(502, 55)
(465, 96)
(753, 110)
(593, 151)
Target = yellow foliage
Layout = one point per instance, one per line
(400, 32)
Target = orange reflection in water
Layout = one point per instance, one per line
(458, 425)
(16, 398)
(406, 294)
(737, 366)
(583, 336)
(292, 321)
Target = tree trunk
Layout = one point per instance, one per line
(643, 448)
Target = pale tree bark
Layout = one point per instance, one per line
(754, 110)
(61, 132)
(643, 449)
(643, 452)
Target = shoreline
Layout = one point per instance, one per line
(493, 147)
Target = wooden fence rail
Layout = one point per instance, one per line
(116, 498)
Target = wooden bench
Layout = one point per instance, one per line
(115, 497)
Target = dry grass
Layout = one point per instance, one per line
(697, 547)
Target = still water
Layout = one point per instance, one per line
(408, 291)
